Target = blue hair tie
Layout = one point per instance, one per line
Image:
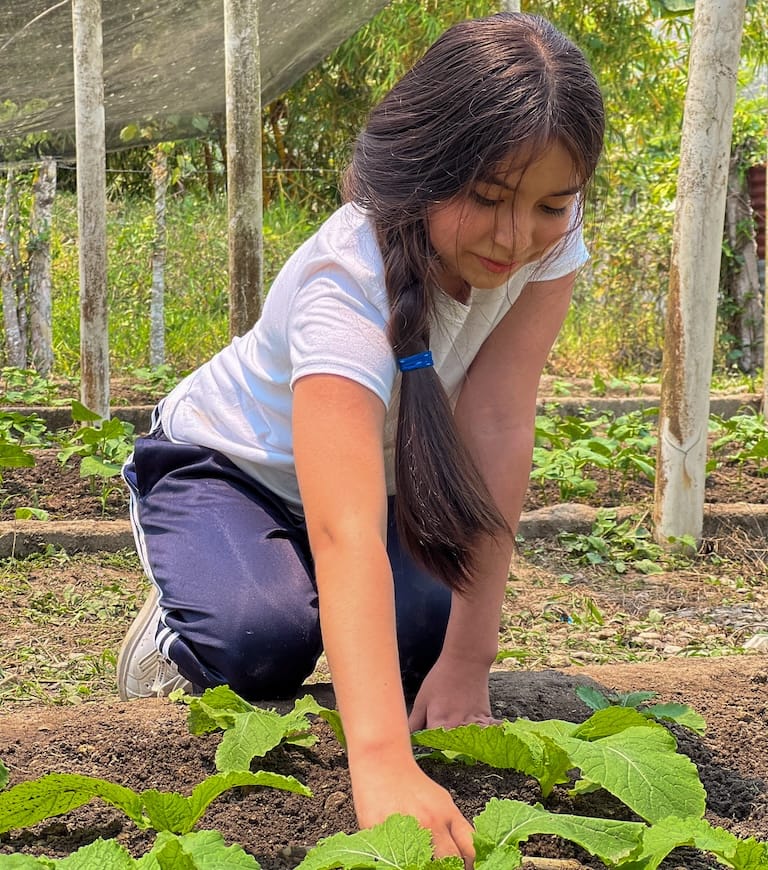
(416, 361)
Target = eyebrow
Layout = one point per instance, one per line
(499, 182)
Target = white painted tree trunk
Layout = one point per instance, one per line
(245, 201)
(13, 314)
(91, 204)
(157, 296)
(694, 271)
(40, 281)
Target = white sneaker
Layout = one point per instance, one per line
(142, 672)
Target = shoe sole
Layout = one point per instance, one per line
(133, 636)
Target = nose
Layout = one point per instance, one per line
(513, 232)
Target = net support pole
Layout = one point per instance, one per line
(697, 242)
(244, 190)
(91, 204)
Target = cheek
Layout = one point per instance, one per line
(446, 225)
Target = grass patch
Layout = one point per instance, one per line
(65, 617)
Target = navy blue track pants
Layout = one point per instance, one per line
(235, 575)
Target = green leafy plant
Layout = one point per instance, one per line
(742, 440)
(57, 793)
(27, 387)
(157, 381)
(198, 850)
(615, 544)
(102, 447)
(681, 714)
(251, 732)
(618, 748)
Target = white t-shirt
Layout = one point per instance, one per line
(327, 312)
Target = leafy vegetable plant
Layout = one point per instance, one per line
(30, 802)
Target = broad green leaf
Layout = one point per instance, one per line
(506, 822)
(81, 414)
(15, 456)
(672, 832)
(58, 793)
(554, 729)
(750, 855)
(215, 708)
(3, 776)
(168, 811)
(24, 862)
(398, 844)
(97, 856)
(500, 858)
(500, 746)
(592, 697)
(199, 850)
(611, 720)
(640, 767)
(92, 466)
(679, 713)
(30, 513)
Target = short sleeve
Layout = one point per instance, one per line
(335, 328)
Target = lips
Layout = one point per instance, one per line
(496, 267)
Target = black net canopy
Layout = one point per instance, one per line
(163, 62)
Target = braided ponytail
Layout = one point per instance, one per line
(442, 504)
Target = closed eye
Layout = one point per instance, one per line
(556, 212)
(484, 200)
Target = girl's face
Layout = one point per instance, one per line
(485, 235)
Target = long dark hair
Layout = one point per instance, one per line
(488, 88)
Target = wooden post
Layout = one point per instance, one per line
(91, 204)
(694, 271)
(243, 99)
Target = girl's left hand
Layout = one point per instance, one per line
(453, 693)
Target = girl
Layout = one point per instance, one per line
(355, 466)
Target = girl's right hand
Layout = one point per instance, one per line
(381, 789)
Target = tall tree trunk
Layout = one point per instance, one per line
(678, 509)
(157, 297)
(740, 276)
(11, 279)
(91, 204)
(40, 325)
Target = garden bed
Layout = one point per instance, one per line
(146, 744)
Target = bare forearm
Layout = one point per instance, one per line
(358, 624)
